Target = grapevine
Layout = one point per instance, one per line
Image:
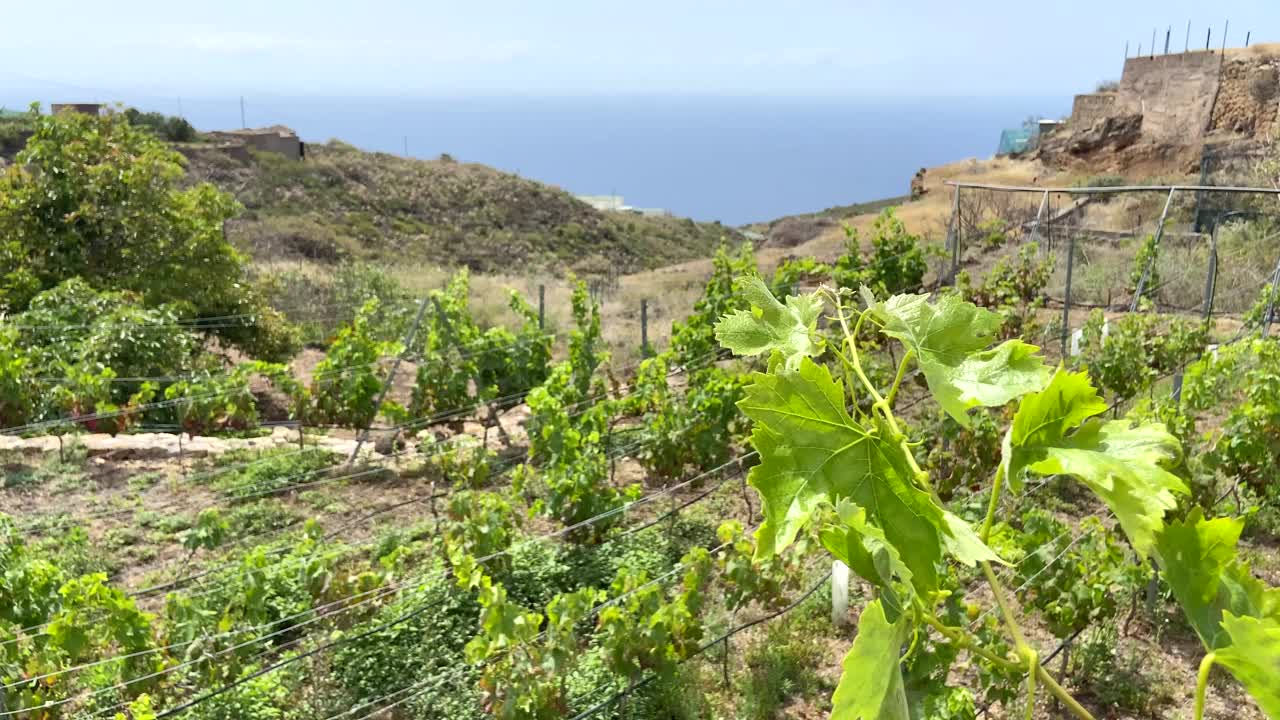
(857, 476)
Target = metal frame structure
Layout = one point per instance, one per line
(955, 240)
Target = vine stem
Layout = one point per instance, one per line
(963, 639)
(996, 486)
(997, 590)
(897, 381)
(1202, 684)
(921, 477)
(1036, 674)
(1061, 693)
(1033, 664)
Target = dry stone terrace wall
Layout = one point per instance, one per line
(1248, 96)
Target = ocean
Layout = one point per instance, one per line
(732, 159)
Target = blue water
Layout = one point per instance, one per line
(732, 159)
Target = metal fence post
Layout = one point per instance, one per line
(1066, 293)
(1271, 301)
(1155, 251)
(953, 234)
(1211, 279)
(542, 307)
(391, 376)
(644, 328)
(1035, 228)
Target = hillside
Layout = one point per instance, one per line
(342, 202)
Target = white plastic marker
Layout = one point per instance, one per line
(839, 593)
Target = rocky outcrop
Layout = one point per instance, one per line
(792, 231)
(918, 188)
(1115, 133)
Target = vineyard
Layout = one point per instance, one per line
(1044, 513)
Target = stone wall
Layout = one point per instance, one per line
(1090, 108)
(1248, 96)
(1174, 93)
(278, 139)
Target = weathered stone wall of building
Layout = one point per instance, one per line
(1174, 93)
(1090, 108)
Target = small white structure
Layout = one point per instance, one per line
(615, 203)
(605, 203)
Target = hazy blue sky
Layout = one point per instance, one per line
(317, 47)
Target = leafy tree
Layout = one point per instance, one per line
(166, 127)
(97, 198)
(19, 393)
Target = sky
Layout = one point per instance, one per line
(918, 48)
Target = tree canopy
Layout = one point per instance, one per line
(98, 198)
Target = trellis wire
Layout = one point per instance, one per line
(625, 450)
(704, 647)
(320, 613)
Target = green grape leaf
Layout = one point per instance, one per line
(871, 686)
(814, 454)
(949, 337)
(1199, 561)
(789, 329)
(963, 544)
(1120, 462)
(1254, 658)
(864, 548)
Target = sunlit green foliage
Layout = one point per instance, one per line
(99, 199)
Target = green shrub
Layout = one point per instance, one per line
(781, 666)
(251, 474)
(1145, 263)
(695, 431)
(1138, 349)
(462, 461)
(1117, 678)
(166, 127)
(20, 395)
(693, 340)
(1014, 288)
(479, 525)
(75, 331)
(346, 384)
(1075, 582)
(419, 648)
(791, 272)
(96, 198)
(269, 697)
(897, 262)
